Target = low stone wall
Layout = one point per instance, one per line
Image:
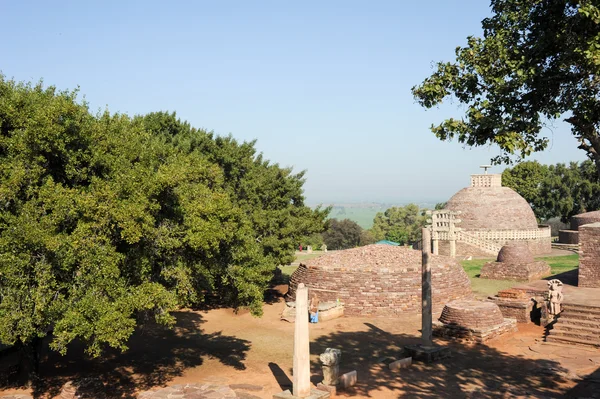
(515, 271)
(519, 309)
(589, 255)
(568, 237)
(386, 292)
(478, 335)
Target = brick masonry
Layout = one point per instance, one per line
(568, 237)
(515, 271)
(389, 290)
(472, 314)
(589, 255)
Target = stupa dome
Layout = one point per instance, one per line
(489, 217)
(492, 208)
(381, 280)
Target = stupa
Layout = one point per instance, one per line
(492, 216)
(381, 280)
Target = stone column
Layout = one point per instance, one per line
(435, 241)
(453, 247)
(301, 376)
(426, 323)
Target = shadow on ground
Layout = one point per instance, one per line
(476, 371)
(156, 355)
(570, 278)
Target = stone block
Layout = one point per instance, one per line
(314, 394)
(400, 364)
(347, 380)
(428, 354)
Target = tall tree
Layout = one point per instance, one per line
(538, 60)
(107, 220)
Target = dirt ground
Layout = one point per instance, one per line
(222, 347)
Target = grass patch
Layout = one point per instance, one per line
(304, 256)
(483, 287)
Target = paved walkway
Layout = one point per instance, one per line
(203, 391)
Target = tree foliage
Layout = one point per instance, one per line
(342, 234)
(399, 224)
(556, 190)
(538, 60)
(106, 220)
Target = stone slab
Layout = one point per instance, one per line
(400, 364)
(428, 354)
(347, 380)
(332, 389)
(314, 394)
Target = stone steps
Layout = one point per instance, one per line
(578, 307)
(566, 321)
(577, 325)
(580, 315)
(573, 341)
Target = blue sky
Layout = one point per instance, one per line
(324, 86)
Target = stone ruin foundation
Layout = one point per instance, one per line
(381, 280)
(515, 304)
(472, 321)
(515, 262)
(571, 236)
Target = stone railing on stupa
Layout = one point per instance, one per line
(491, 241)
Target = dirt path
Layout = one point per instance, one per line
(221, 347)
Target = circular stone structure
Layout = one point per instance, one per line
(515, 262)
(515, 253)
(492, 216)
(572, 236)
(584, 218)
(380, 280)
(472, 314)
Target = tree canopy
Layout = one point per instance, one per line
(538, 60)
(555, 190)
(342, 234)
(106, 220)
(400, 224)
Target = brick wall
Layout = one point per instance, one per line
(589, 255)
(385, 292)
(515, 271)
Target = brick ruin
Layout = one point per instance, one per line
(571, 236)
(515, 262)
(491, 217)
(381, 280)
(589, 255)
(472, 320)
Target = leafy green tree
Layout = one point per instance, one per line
(342, 234)
(399, 224)
(556, 190)
(537, 61)
(106, 221)
(366, 238)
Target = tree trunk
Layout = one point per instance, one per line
(29, 361)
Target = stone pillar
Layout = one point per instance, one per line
(589, 255)
(453, 248)
(435, 241)
(426, 323)
(301, 376)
